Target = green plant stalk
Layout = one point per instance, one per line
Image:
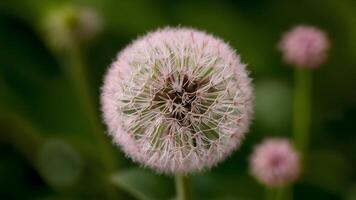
(279, 193)
(75, 68)
(301, 114)
(302, 110)
(301, 125)
(183, 190)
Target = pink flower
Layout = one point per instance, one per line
(275, 163)
(177, 100)
(305, 46)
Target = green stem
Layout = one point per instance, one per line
(79, 78)
(270, 193)
(182, 188)
(281, 193)
(76, 71)
(302, 109)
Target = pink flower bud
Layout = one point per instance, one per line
(275, 163)
(305, 47)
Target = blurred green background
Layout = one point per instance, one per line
(53, 146)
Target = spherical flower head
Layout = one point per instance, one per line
(177, 100)
(305, 46)
(275, 163)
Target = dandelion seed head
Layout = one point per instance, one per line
(305, 46)
(275, 163)
(177, 100)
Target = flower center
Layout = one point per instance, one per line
(179, 94)
(276, 161)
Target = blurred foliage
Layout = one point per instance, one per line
(143, 184)
(47, 151)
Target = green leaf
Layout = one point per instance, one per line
(143, 184)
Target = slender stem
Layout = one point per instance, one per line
(182, 188)
(302, 109)
(79, 78)
(301, 125)
(269, 193)
(281, 193)
(77, 73)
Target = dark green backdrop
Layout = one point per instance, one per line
(47, 152)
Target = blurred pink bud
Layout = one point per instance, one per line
(68, 25)
(177, 100)
(275, 163)
(305, 46)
